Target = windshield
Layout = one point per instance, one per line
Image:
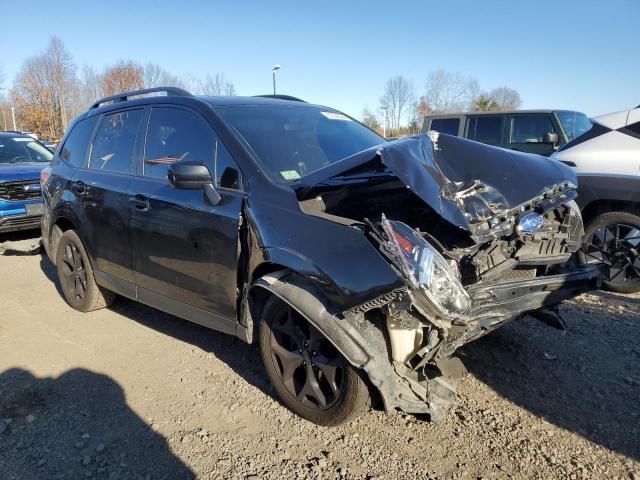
(574, 124)
(293, 141)
(22, 149)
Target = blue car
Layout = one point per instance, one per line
(22, 158)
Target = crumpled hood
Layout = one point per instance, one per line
(10, 172)
(467, 181)
(469, 184)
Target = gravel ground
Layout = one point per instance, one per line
(132, 393)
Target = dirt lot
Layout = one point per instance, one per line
(132, 393)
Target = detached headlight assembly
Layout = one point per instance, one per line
(427, 270)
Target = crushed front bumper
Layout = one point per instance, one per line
(493, 306)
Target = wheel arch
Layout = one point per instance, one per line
(600, 206)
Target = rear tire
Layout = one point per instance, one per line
(310, 376)
(76, 278)
(615, 236)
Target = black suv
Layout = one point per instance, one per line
(356, 263)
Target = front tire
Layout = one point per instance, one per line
(76, 276)
(310, 376)
(613, 239)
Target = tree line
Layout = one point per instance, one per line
(444, 92)
(49, 90)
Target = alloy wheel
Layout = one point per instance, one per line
(308, 365)
(74, 272)
(616, 247)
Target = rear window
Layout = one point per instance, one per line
(485, 129)
(115, 141)
(449, 126)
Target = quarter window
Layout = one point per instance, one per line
(114, 145)
(530, 128)
(446, 125)
(485, 129)
(74, 150)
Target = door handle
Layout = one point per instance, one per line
(79, 187)
(140, 202)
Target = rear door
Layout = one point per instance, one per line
(102, 190)
(487, 129)
(526, 132)
(185, 249)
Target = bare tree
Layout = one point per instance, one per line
(216, 85)
(156, 76)
(124, 76)
(505, 98)
(449, 91)
(396, 100)
(42, 90)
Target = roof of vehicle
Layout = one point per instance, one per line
(12, 133)
(505, 112)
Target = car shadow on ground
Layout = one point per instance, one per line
(585, 380)
(77, 425)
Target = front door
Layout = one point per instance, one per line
(103, 191)
(526, 133)
(185, 249)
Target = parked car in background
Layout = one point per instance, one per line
(606, 159)
(22, 159)
(531, 131)
(355, 262)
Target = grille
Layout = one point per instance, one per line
(22, 190)
(24, 223)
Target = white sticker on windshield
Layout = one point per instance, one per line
(336, 116)
(22, 139)
(290, 175)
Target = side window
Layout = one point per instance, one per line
(116, 138)
(530, 128)
(173, 135)
(485, 129)
(75, 148)
(446, 125)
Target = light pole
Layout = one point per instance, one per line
(273, 71)
(13, 116)
(384, 122)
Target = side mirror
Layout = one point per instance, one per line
(193, 176)
(551, 138)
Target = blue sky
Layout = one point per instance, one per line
(558, 54)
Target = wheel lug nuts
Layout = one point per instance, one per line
(314, 354)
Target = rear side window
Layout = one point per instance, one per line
(115, 141)
(449, 126)
(75, 148)
(173, 135)
(485, 129)
(530, 128)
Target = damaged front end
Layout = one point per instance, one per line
(479, 235)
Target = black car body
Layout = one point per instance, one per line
(397, 253)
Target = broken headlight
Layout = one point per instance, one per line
(427, 270)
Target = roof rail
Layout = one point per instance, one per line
(282, 97)
(123, 97)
